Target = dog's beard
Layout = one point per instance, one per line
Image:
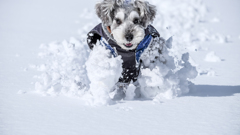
(119, 35)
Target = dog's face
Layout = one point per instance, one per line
(127, 20)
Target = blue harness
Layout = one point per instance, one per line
(102, 42)
(140, 48)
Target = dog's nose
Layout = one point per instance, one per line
(129, 37)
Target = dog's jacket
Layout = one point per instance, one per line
(131, 64)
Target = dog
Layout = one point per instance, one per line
(125, 30)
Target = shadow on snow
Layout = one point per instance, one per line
(214, 91)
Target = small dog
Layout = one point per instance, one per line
(125, 30)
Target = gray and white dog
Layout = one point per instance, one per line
(126, 30)
(127, 20)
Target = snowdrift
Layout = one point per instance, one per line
(72, 69)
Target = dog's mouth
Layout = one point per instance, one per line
(128, 45)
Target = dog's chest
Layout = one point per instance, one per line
(129, 58)
(130, 70)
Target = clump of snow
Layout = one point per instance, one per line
(64, 71)
(72, 70)
(130, 92)
(211, 57)
(103, 72)
(165, 76)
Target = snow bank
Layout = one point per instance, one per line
(73, 70)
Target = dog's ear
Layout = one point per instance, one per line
(105, 10)
(147, 11)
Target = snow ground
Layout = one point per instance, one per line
(213, 108)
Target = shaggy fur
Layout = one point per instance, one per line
(126, 20)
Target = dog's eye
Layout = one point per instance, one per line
(136, 21)
(118, 21)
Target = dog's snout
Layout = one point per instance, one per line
(129, 37)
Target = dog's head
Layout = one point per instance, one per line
(126, 20)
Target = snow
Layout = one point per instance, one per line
(211, 57)
(215, 20)
(72, 69)
(103, 71)
(39, 89)
(130, 92)
(64, 73)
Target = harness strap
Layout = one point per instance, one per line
(140, 49)
(104, 42)
(142, 46)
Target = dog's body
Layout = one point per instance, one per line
(126, 30)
